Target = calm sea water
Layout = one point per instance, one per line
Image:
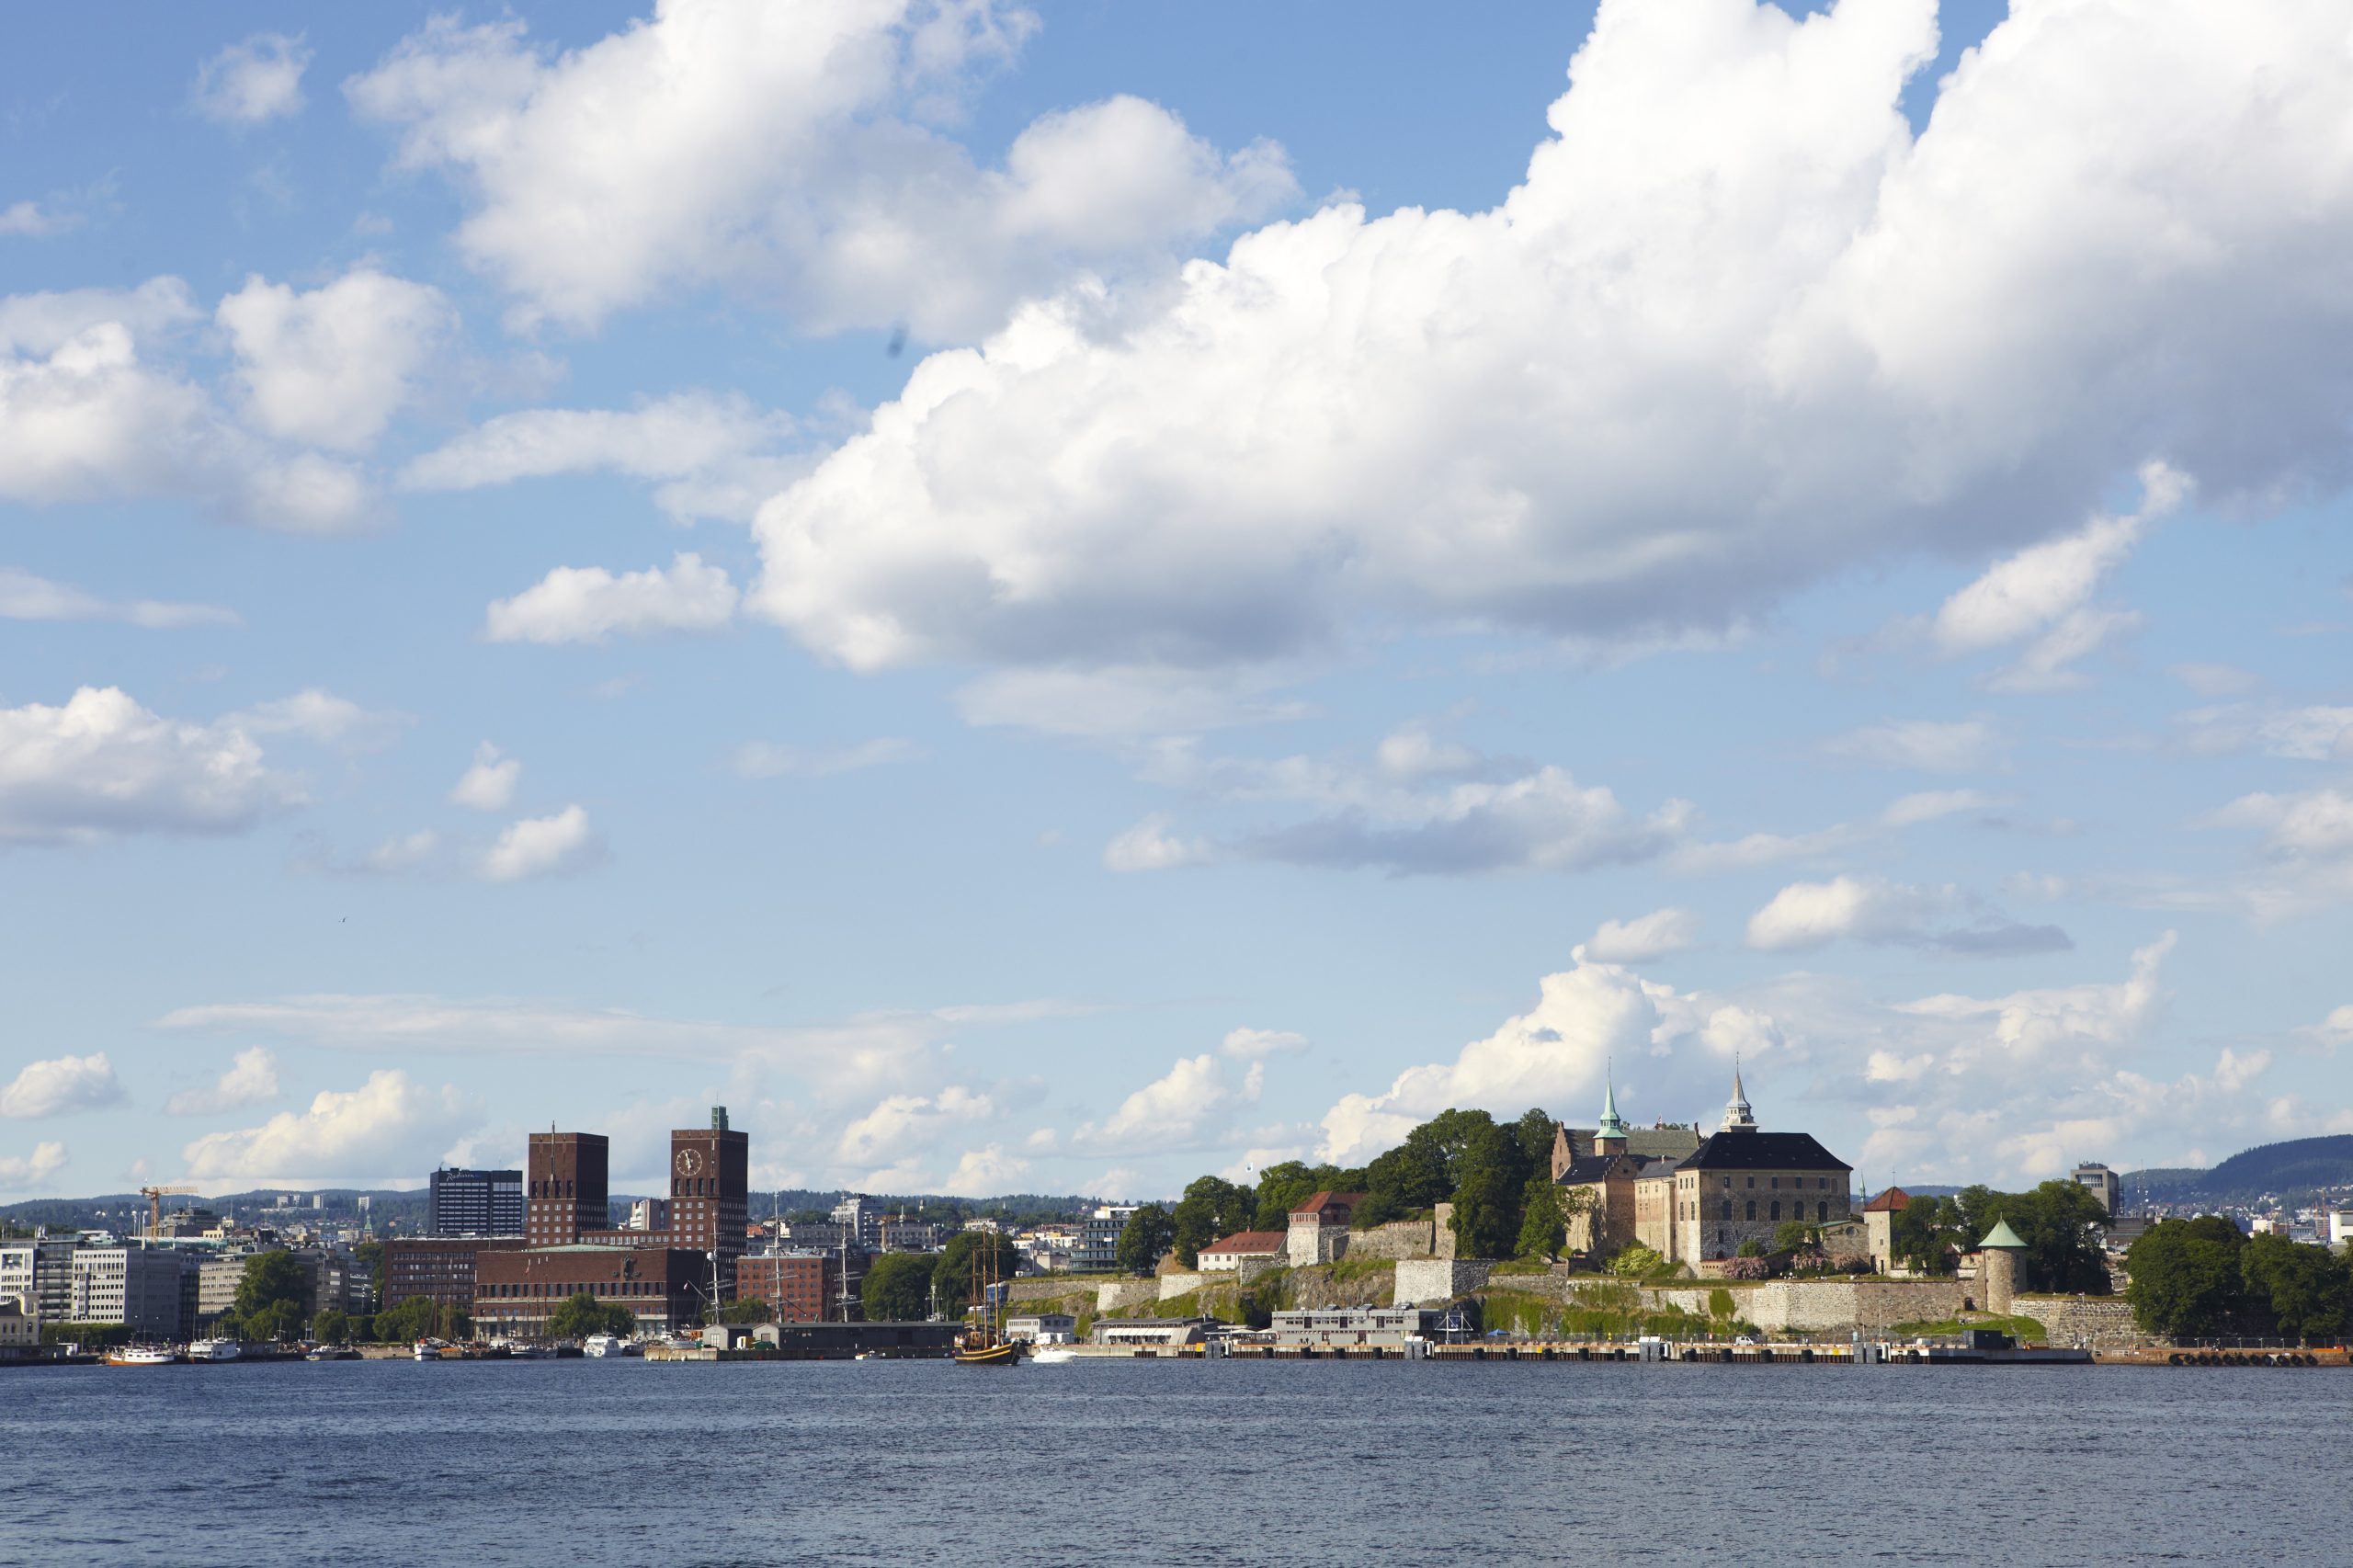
(1105, 1463)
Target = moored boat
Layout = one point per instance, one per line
(984, 1344)
(602, 1344)
(429, 1349)
(214, 1350)
(143, 1355)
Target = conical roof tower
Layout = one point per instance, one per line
(1737, 1115)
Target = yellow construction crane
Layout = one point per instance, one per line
(155, 1197)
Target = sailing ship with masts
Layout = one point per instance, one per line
(983, 1343)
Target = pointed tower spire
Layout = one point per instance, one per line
(1738, 1115)
(1609, 1137)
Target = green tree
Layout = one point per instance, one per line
(2186, 1281)
(1534, 1129)
(953, 1275)
(1490, 1176)
(278, 1320)
(2060, 1223)
(581, 1314)
(1543, 1227)
(1408, 1178)
(1147, 1234)
(331, 1326)
(898, 1288)
(2302, 1288)
(1636, 1261)
(1924, 1232)
(1212, 1208)
(271, 1278)
(1792, 1234)
(743, 1309)
(1283, 1188)
(407, 1321)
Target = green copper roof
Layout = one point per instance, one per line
(2001, 1235)
(1611, 1126)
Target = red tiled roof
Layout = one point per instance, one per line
(1895, 1200)
(1317, 1202)
(1250, 1241)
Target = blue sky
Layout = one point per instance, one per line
(1059, 599)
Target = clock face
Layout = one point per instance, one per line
(690, 1161)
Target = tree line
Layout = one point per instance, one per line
(2196, 1279)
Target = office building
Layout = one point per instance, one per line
(564, 1190)
(1098, 1239)
(649, 1214)
(2105, 1184)
(130, 1284)
(439, 1269)
(802, 1287)
(477, 1203)
(861, 1217)
(515, 1291)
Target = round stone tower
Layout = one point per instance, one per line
(1997, 1266)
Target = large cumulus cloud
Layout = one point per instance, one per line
(1738, 329)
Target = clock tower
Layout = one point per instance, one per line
(711, 1173)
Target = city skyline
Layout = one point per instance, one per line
(1067, 598)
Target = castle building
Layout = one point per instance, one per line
(1740, 1184)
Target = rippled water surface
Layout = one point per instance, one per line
(1118, 1462)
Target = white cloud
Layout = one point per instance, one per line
(1871, 909)
(321, 716)
(2317, 823)
(401, 853)
(1149, 846)
(84, 417)
(1181, 1110)
(2214, 680)
(103, 764)
(1576, 413)
(489, 783)
(908, 1127)
(252, 1079)
(60, 1085)
(1255, 1045)
(2313, 733)
(330, 367)
(2044, 593)
(24, 596)
(539, 846)
(387, 1126)
(1651, 936)
(711, 456)
(588, 603)
(1121, 702)
(30, 221)
(1924, 746)
(1928, 805)
(21, 1173)
(775, 148)
(1752, 850)
(248, 83)
(983, 1172)
(760, 760)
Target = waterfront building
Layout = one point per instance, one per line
(2105, 1184)
(822, 1235)
(1042, 1328)
(18, 1328)
(439, 1269)
(1097, 1247)
(516, 1290)
(130, 1284)
(16, 1263)
(40, 1271)
(1244, 1247)
(1154, 1331)
(1319, 1228)
(564, 1192)
(805, 1286)
(710, 1196)
(1386, 1327)
(217, 1275)
(649, 1214)
(476, 1203)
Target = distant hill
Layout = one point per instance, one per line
(2299, 1165)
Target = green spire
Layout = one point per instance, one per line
(1611, 1127)
(2001, 1235)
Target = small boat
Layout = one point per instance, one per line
(214, 1350)
(331, 1353)
(1054, 1354)
(531, 1352)
(143, 1355)
(603, 1344)
(430, 1350)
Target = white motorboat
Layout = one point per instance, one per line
(143, 1355)
(428, 1350)
(1054, 1354)
(603, 1344)
(214, 1350)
